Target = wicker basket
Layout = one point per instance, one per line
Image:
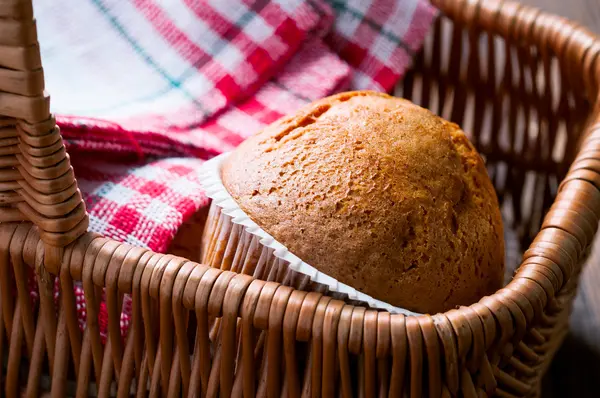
(197, 329)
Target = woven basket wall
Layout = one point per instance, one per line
(523, 82)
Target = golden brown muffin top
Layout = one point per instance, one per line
(378, 193)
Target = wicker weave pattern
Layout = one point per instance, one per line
(200, 330)
(37, 182)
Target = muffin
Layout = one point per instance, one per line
(375, 192)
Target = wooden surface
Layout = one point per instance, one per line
(575, 371)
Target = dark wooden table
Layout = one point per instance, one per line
(575, 371)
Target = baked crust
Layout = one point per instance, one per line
(378, 193)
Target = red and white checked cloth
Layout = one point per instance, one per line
(169, 83)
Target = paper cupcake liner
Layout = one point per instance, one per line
(232, 241)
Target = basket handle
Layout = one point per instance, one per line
(37, 183)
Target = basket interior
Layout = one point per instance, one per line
(524, 111)
(516, 104)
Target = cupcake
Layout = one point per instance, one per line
(364, 196)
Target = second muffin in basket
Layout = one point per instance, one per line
(370, 190)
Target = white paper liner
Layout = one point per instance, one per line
(210, 179)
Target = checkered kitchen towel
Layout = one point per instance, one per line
(168, 83)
